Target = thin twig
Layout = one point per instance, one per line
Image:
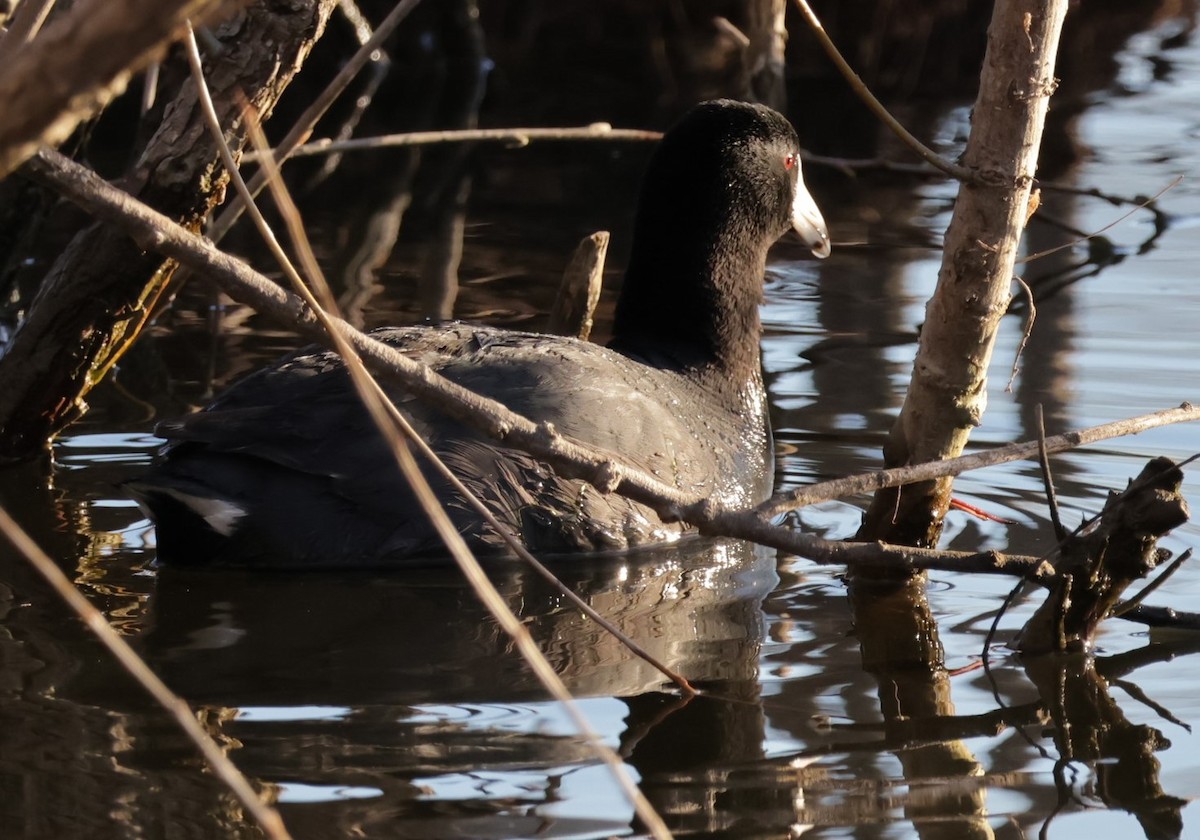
(1083, 238)
(304, 125)
(1145, 592)
(1026, 332)
(988, 641)
(1060, 533)
(850, 166)
(266, 816)
(955, 171)
(381, 64)
(391, 423)
(518, 137)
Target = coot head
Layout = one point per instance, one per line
(731, 164)
(721, 188)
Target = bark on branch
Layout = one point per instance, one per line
(100, 288)
(81, 61)
(1096, 567)
(948, 391)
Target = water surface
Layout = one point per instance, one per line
(392, 706)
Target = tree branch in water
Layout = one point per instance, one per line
(604, 470)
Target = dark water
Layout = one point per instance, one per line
(392, 706)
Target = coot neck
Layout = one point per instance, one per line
(692, 295)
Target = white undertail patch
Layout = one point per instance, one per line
(221, 515)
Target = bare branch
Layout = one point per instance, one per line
(513, 136)
(1026, 331)
(870, 482)
(604, 470)
(1141, 204)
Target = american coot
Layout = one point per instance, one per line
(285, 468)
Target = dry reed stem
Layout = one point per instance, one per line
(955, 171)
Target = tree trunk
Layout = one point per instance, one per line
(98, 291)
(948, 391)
(946, 396)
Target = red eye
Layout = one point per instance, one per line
(789, 162)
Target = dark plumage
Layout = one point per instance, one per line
(285, 469)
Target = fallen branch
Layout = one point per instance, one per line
(604, 470)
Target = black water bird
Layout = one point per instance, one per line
(286, 470)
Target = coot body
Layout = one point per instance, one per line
(286, 470)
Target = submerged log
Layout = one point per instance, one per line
(1095, 567)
